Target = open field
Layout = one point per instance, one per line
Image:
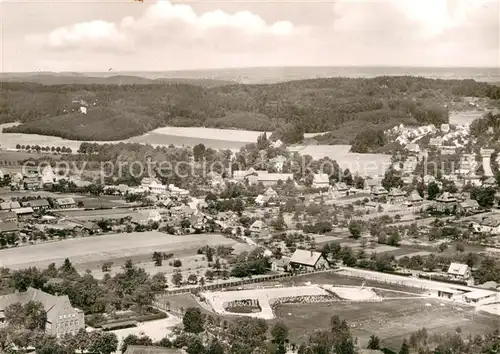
(87, 215)
(364, 164)
(246, 136)
(96, 249)
(391, 320)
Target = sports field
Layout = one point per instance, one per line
(97, 249)
(391, 320)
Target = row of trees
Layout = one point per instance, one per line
(38, 148)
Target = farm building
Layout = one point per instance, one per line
(321, 180)
(445, 202)
(379, 192)
(65, 203)
(24, 213)
(62, 318)
(270, 192)
(459, 271)
(8, 216)
(37, 204)
(9, 228)
(309, 260)
(341, 189)
(258, 228)
(280, 265)
(396, 196)
(269, 179)
(9, 205)
(468, 206)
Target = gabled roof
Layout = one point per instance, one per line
(36, 203)
(446, 197)
(6, 215)
(27, 210)
(50, 303)
(321, 178)
(470, 203)
(9, 227)
(415, 197)
(10, 205)
(65, 201)
(307, 258)
(458, 269)
(396, 192)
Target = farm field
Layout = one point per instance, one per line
(247, 136)
(364, 164)
(95, 250)
(88, 215)
(391, 320)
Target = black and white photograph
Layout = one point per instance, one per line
(250, 177)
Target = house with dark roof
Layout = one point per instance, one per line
(37, 204)
(9, 228)
(62, 317)
(308, 260)
(65, 203)
(396, 196)
(445, 202)
(8, 216)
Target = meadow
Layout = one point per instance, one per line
(95, 250)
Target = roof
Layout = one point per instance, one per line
(341, 186)
(470, 203)
(396, 192)
(282, 262)
(36, 203)
(9, 227)
(6, 215)
(479, 294)
(415, 197)
(307, 258)
(65, 201)
(458, 269)
(142, 349)
(50, 303)
(446, 198)
(258, 224)
(9, 205)
(28, 210)
(274, 176)
(321, 178)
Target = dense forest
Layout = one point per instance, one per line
(341, 106)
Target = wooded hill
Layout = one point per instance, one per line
(344, 106)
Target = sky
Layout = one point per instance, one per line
(91, 35)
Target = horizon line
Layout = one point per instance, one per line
(262, 67)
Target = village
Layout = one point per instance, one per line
(438, 233)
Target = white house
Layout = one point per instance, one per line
(309, 260)
(321, 180)
(459, 271)
(258, 228)
(153, 185)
